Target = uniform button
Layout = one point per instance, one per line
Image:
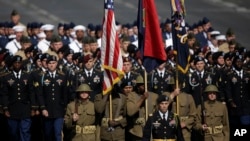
(241, 96)
(53, 85)
(165, 127)
(19, 98)
(18, 93)
(53, 94)
(18, 89)
(17, 84)
(53, 89)
(53, 98)
(161, 87)
(165, 132)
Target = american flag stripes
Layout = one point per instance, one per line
(110, 49)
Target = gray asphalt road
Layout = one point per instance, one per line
(222, 13)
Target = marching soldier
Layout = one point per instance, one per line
(216, 124)
(90, 76)
(52, 97)
(163, 124)
(161, 80)
(18, 101)
(112, 129)
(136, 108)
(80, 116)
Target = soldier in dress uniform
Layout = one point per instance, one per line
(163, 125)
(216, 124)
(90, 76)
(112, 129)
(80, 116)
(18, 101)
(52, 97)
(237, 92)
(161, 80)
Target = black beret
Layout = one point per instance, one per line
(216, 55)
(126, 83)
(198, 58)
(45, 56)
(162, 98)
(17, 58)
(38, 56)
(51, 58)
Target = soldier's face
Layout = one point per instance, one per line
(200, 66)
(221, 60)
(84, 95)
(127, 66)
(212, 96)
(52, 66)
(89, 65)
(163, 106)
(17, 65)
(127, 89)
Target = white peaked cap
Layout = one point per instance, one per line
(47, 27)
(220, 37)
(80, 27)
(18, 28)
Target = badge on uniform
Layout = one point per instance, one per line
(96, 79)
(46, 82)
(36, 84)
(25, 81)
(234, 80)
(155, 81)
(156, 124)
(208, 80)
(81, 79)
(11, 82)
(59, 81)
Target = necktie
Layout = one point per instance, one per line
(52, 75)
(127, 76)
(161, 75)
(200, 75)
(89, 74)
(17, 75)
(163, 117)
(240, 75)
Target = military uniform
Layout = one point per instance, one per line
(138, 114)
(187, 113)
(117, 132)
(19, 101)
(161, 81)
(84, 127)
(162, 129)
(216, 118)
(52, 96)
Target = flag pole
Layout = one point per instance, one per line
(146, 90)
(110, 107)
(177, 84)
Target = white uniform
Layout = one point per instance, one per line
(75, 46)
(43, 45)
(13, 46)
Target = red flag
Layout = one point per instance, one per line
(110, 50)
(150, 37)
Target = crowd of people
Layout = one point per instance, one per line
(51, 85)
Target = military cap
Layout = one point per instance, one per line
(41, 35)
(14, 12)
(205, 20)
(216, 55)
(214, 33)
(83, 88)
(198, 58)
(38, 56)
(237, 57)
(68, 51)
(132, 48)
(228, 55)
(51, 58)
(16, 58)
(60, 25)
(55, 38)
(86, 58)
(211, 88)
(34, 25)
(168, 21)
(126, 59)
(29, 49)
(72, 25)
(79, 27)
(162, 98)
(139, 80)
(221, 37)
(44, 56)
(18, 28)
(76, 55)
(25, 39)
(126, 83)
(47, 27)
(98, 27)
(229, 32)
(66, 26)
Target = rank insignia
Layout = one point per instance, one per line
(36, 84)
(11, 81)
(25, 81)
(59, 81)
(234, 80)
(47, 82)
(96, 79)
(156, 124)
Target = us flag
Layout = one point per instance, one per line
(110, 50)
